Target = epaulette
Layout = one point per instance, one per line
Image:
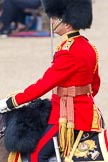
(68, 44)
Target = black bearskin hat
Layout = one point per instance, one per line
(77, 13)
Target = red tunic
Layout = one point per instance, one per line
(74, 64)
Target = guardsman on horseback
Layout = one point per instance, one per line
(73, 78)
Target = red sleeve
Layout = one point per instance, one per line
(62, 68)
(96, 82)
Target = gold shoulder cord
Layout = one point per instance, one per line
(97, 57)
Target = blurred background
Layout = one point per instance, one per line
(25, 48)
(23, 18)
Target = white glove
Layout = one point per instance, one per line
(3, 105)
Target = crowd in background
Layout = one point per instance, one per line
(22, 15)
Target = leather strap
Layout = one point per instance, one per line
(69, 159)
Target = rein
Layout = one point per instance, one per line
(2, 129)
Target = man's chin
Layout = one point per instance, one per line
(55, 32)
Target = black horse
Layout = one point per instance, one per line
(25, 126)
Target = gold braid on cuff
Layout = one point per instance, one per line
(14, 102)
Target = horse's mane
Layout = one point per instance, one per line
(25, 126)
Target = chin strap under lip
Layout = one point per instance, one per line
(58, 22)
(52, 29)
(52, 35)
